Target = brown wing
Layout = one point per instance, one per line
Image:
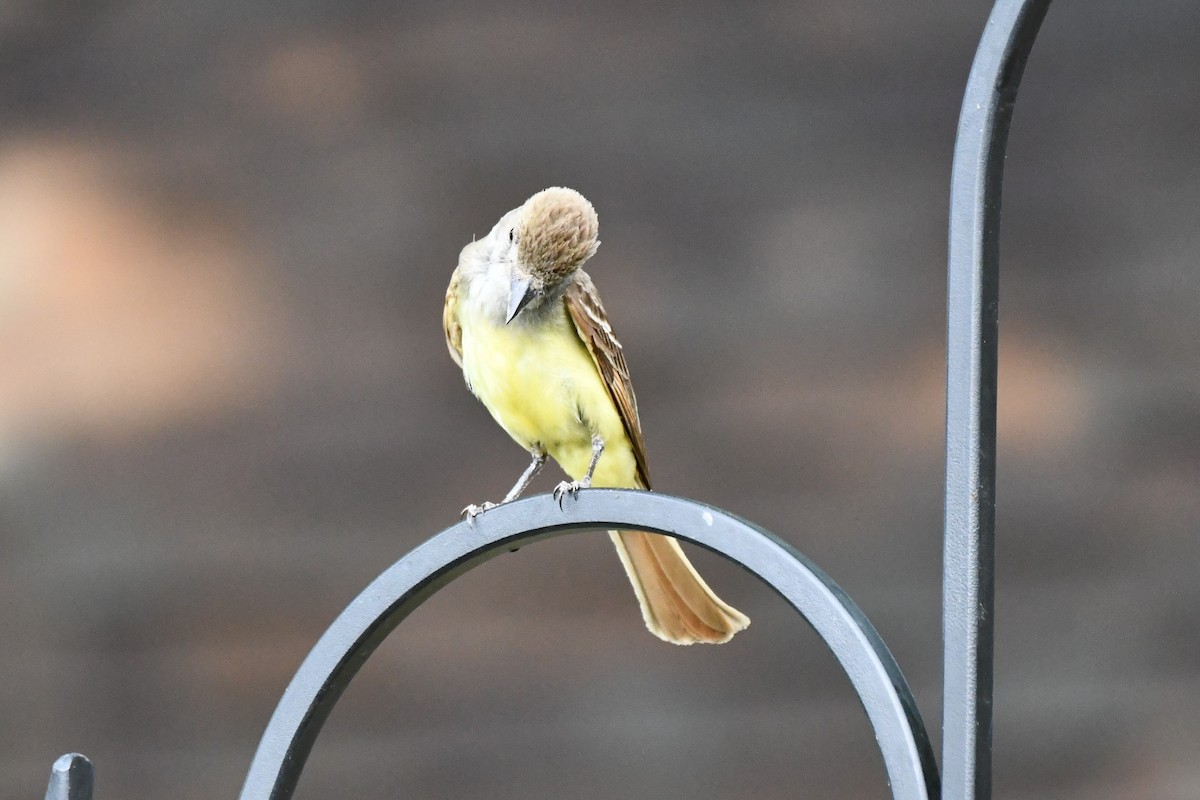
(591, 323)
(450, 322)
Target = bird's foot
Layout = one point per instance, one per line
(472, 511)
(570, 488)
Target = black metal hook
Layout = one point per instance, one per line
(971, 358)
(70, 778)
(350, 640)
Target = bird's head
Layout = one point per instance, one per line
(551, 235)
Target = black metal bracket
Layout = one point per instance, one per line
(968, 567)
(70, 778)
(353, 636)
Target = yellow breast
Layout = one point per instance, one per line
(540, 384)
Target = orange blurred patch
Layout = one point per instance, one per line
(1042, 404)
(1042, 407)
(317, 82)
(117, 316)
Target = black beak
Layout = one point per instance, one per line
(520, 292)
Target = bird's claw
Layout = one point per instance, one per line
(470, 512)
(570, 488)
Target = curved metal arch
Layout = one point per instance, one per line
(973, 280)
(350, 640)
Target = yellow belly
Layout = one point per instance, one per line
(541, 385)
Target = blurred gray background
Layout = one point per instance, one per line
(226, 405)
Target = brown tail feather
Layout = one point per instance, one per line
(677, 604)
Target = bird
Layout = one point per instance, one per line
(525, 323)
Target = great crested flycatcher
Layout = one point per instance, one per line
(526, 325)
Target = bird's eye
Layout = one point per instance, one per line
(511, 237)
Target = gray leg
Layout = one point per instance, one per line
(539, 460)
(535, 466)
(572, 487)
(597, 451)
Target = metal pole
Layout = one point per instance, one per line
(974, 268)
(70, 778)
